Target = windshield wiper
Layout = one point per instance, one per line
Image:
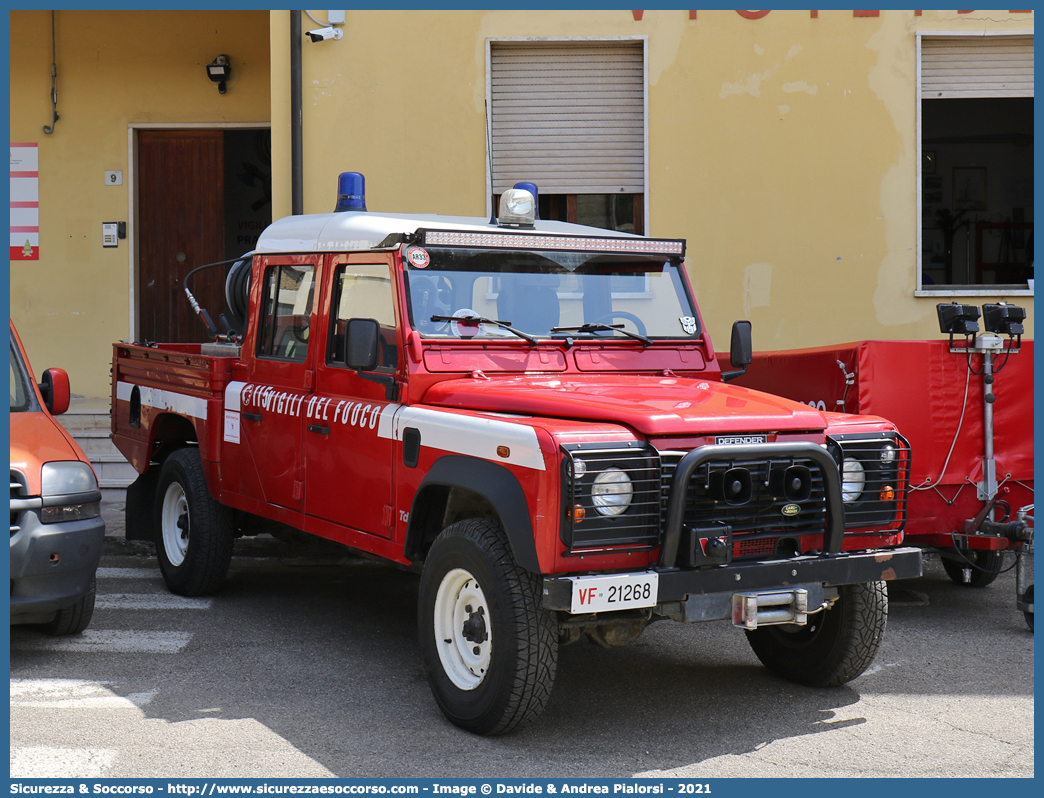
(590, 328)
(477, 320)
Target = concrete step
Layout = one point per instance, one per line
(85, 419)
(89, 427)
(114, 475)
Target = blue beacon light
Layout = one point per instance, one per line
(351, 192)
(532, 189)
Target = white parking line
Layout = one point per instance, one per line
(73, 694)
(152, 574)
(156, 601)
(62, 763)
(108, 641)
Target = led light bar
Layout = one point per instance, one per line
(638, 246)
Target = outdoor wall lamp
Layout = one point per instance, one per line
(220, 70)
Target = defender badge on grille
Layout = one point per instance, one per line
(791, 509)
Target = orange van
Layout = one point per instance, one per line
(56, 525)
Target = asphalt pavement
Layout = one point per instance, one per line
(307, 664)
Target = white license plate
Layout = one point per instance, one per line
(616, 592)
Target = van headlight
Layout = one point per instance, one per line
(612, 492)
(69, 491)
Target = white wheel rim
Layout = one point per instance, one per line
(462, 629)
(175, 539)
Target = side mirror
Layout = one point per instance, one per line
(741, 352)
(361, 347)
(55, 390)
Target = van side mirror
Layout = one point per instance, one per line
(362, 344)
(741, 352)
(55, 390)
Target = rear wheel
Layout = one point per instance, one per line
(975, 568)
(1029, 613)
(835, 646)
(194, 545)
(490, 650)
(73, 619)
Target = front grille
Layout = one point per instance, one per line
(19, 490)
(763, 514)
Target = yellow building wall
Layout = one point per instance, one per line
(783, 148)
(114, 68)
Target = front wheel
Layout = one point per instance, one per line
(490, 650)
(73, 619)
(194, 547)
(835, 646)
(977, 570)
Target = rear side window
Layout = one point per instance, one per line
(286, 321)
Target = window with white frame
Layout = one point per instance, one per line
(570, 116)
(976, 161)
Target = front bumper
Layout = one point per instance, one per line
(52, 565)
(678, 585)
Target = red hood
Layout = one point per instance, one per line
(36, 438)
(653, 406)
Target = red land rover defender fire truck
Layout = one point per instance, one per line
(530, 414)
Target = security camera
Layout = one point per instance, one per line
(322, 34)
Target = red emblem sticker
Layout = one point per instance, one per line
(418, 257)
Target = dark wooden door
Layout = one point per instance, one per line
(181, 220)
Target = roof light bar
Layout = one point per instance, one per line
(643, 246)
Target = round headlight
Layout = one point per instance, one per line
(888, 454)
(853, 479)
(612, 492)
(579, 468)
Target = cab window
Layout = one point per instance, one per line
(363, 291)
(288, 296)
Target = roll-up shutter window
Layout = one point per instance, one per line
(568, 116)
(984, 66)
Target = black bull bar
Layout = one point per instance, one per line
(832, 567)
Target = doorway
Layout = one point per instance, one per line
(204, 196)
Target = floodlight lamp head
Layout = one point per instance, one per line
(1004, 319)
(957, 319)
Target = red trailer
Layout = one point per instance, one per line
(967, 486)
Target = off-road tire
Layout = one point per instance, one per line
(986, 565)
(199, 565)
(73, 619)
(836, 645)
(508, 681)
(1028, 598)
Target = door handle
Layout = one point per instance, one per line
(317, 428)
(252, 416)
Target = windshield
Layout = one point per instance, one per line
(535, 293)
(19, 388)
